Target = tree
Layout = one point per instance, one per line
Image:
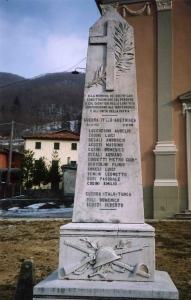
(40, 171)
(16, 107)
(16, 102)
(66, 121)
(54, 174)
(27, 168)
(78, 123)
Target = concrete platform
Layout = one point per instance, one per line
(54, 289)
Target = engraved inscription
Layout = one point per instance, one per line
(107, 158)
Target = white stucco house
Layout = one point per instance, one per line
(65, 142)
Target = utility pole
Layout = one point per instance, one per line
(10, 154)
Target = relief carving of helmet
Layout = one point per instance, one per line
(104, 256)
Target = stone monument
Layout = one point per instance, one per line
(108, 252)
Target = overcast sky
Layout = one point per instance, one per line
(44, 36)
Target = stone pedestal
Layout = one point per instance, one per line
(131, 276)
(121, 252)
(54, 289)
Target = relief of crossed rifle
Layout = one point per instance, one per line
(68, 269)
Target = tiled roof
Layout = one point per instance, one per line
(6, 151)
(60, 135)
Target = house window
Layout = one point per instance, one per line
(36, 163)
(73, 162)
(56, 146)
(74, 146)
(38, 145)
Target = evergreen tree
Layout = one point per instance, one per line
(16, 102)
(40, 171)
(66, 121)
(54, 174)
(27, 168)
(78, 123)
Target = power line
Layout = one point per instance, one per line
(76, 64)
(21, 124)
(43, 74)
(5, 124)
(14, 83)
(14, 123)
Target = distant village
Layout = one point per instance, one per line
(45, 137)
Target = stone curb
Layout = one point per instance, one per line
(70, 220)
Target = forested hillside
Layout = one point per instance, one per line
(8, 78)
(38, 103)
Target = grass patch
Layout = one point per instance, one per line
(169, 242)
(7, 287)
(7, 291)
(39, 240)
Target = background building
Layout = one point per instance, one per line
(162, 32)
(65, 142)
(59, 149)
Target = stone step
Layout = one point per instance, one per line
(183, 216)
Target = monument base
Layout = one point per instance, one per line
(54, 289)
(102, 251)
(106, 261)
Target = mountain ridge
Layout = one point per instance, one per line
(9, 78)
(53, 97)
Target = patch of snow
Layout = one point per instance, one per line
(33, 211)
(34, 206)
(13, 208)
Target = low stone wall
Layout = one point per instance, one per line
(46, 194)
(37, 196)
(5, 191)
(21, 203)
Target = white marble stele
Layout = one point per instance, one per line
(109, 183)
(108, 252)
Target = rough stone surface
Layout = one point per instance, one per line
(26, 281)
(162, 288)
(109, 183)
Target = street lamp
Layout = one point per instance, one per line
(76, 72)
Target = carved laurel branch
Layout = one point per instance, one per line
(123, 48)
(99, 78)
(123, 55)
(91, 244)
